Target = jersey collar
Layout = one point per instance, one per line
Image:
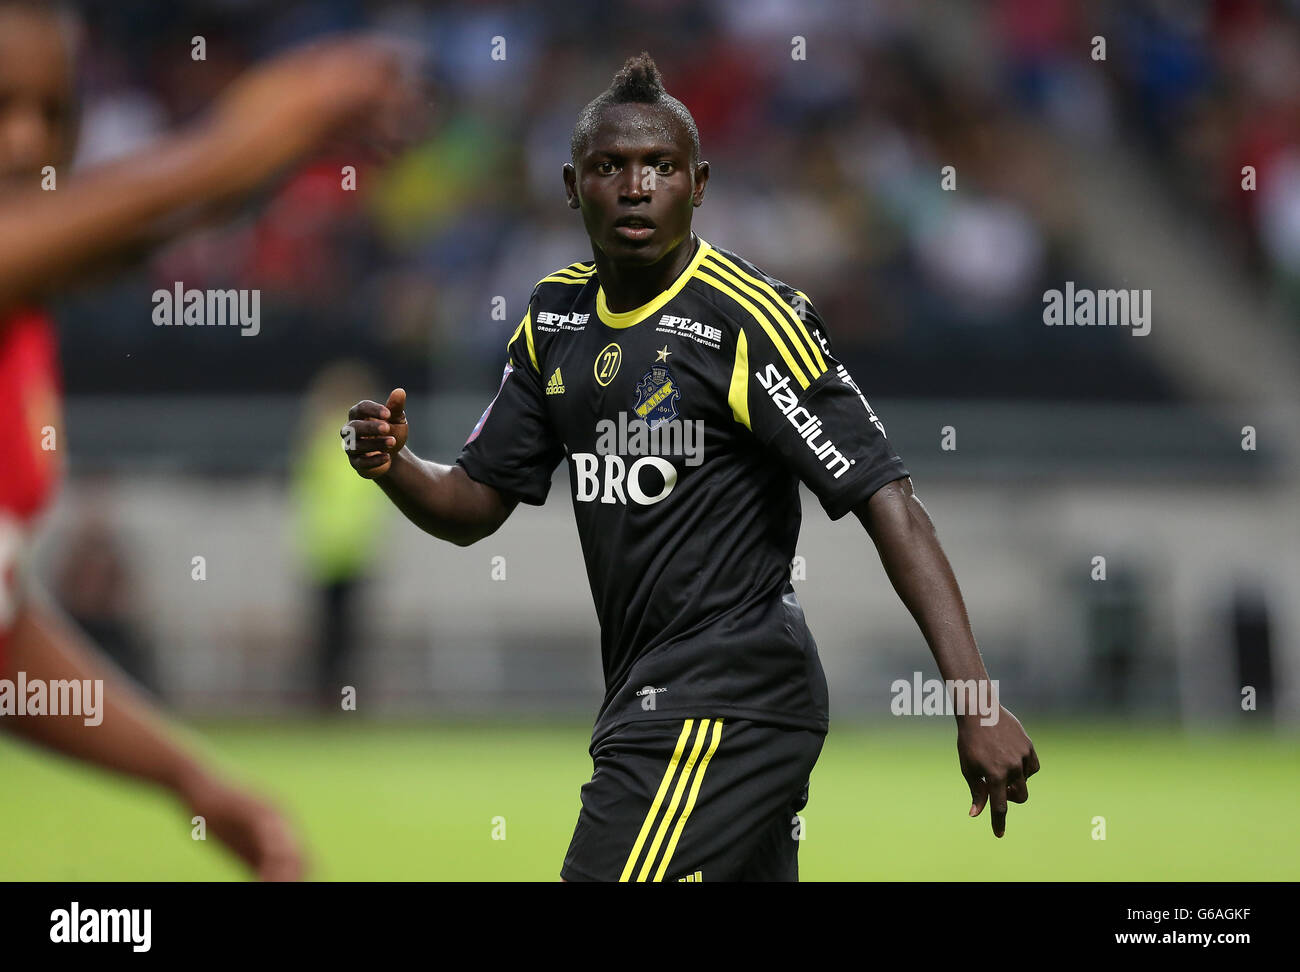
(637, 314)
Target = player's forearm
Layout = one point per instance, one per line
(442, 500)
(45, 235)
(919, 570)
(131, 736)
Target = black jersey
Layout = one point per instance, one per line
(687, 425)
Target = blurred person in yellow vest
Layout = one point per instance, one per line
(338, 526)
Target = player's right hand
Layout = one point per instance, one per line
(375, 433)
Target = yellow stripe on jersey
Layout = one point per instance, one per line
(526, 325)
(677, 799)
(528, 333)
(658, 800)
(568, 276)
(515, 336)
(762, 319)
(738, 393)
(788, 316)
(767, 294)
(573, 268)
(690, 802)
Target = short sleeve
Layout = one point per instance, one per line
(805, 408)
(513, 447)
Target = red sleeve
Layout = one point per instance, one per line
(12, 538)
(29, 376)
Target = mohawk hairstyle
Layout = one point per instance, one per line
(637, 82)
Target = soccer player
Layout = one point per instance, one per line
(690, 393)
(270, 117)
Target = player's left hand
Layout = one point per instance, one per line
(255, 831)
(997, 760)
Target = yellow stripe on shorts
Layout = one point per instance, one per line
(671, 812)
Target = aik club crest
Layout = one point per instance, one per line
(657, 396)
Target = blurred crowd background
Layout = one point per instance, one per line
(824, 167)
(1117, 171)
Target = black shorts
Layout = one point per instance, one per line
(694, 800)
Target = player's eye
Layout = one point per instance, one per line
(664, 168)
(604, 168)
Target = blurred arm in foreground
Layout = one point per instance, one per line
(132, 738)
(270, 117)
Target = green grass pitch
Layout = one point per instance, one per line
(418, 802)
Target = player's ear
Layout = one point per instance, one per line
(571, 186)
(701, 179)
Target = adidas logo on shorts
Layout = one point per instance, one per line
(556, 385)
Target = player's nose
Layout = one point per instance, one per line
(634, 186)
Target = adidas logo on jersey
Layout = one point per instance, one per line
(691, 878)
(556, 385)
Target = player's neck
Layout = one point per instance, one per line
(628, 287)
